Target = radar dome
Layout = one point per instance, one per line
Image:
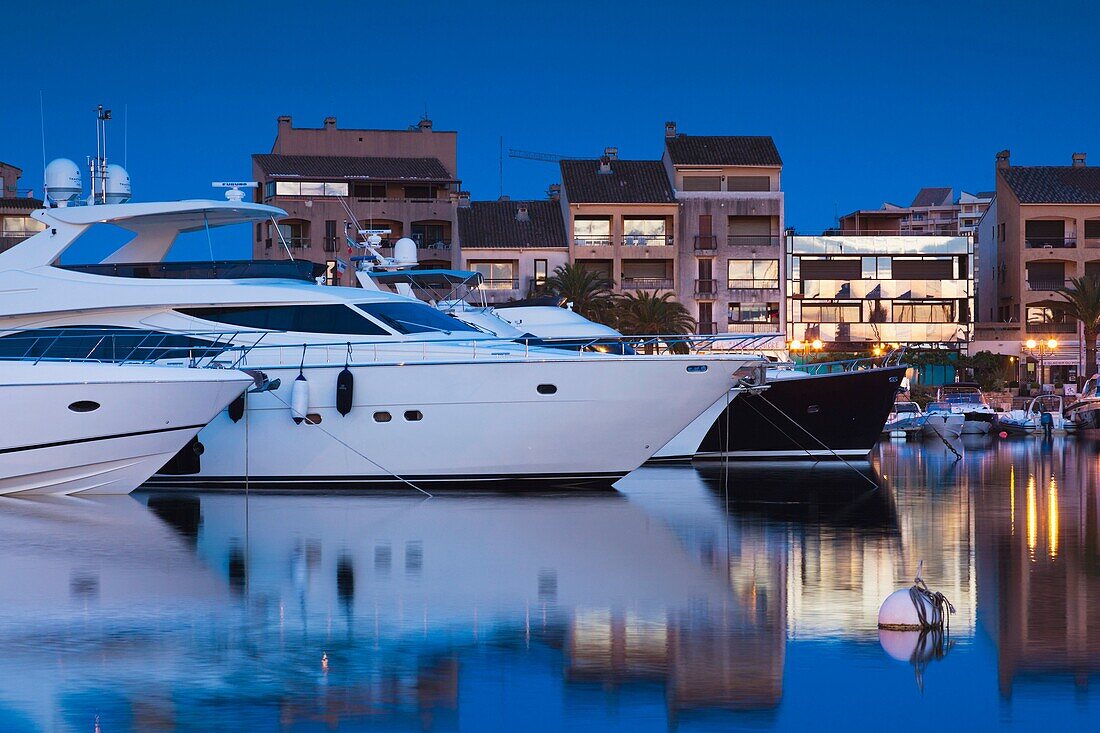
(404, 252)
(118, 184)
(63, 183)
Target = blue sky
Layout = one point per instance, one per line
(866, 101)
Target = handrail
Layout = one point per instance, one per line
(119, 347)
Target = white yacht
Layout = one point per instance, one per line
(365, 387)
(88, 428)
(966, 399)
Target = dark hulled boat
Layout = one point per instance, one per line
(804, 415)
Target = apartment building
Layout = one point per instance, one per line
(402, 183)
(857, 291)
(932, 211)
(1042, 230)
(730, 216)
(16, 205)
(515, 245)
(971, 207)
(621, 219)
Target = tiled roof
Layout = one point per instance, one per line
(723, 150)
(347, 166)
(933, 197)
(1051, 184)
(986, 194)
(629, 182)
(493, 224)
(19, 203)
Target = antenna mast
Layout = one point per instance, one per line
(98, 167)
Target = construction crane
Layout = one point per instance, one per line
(543, 157)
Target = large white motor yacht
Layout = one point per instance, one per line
(87, 428)
(366, 387)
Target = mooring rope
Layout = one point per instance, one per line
(941, 608)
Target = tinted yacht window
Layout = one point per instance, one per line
(335, 319)
(414, 318)
(102, 343)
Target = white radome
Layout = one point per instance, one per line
(63, 181)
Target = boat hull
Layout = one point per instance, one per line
(144, 416)
(462, 425)
(818, 416)
(949, 426)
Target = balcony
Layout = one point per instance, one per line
(706, 243)
(705, 329)
(592, 240)
(431, 243)
(1047, 284)
(753, 240)
(292, 243)
(751, 327)
(1045, 328)
(1050, 243)
(706, 289)
(647, 240)
(647, 283)
(752, 284)
(500, 284)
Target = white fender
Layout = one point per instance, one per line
(299, 399)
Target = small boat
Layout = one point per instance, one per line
(1029, 421)
(1085, 412)
(966, 399)
(940, 421)
(904, 420)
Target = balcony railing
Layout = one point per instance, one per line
(592, 240)
(647, 283)
(1050, 242)
(705, 328)
(753, 327)
(500, 284)
(1052, 328)
(752, 284)
(1047, 284)
(647, 240)
(706, 243)
(439, 243)
(292, 243)
(752, 240)
(706, 288)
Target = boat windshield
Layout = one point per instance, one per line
(414, 318)
(905, 407)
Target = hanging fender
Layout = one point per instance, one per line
(345, 391)
(299, 399)
(236, 409)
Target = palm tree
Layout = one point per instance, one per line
(588, 290)
(647, 313)
(1082, 303)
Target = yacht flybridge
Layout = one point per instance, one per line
(363, 387)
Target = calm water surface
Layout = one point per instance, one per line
(693, 599)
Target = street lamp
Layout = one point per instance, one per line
(805, 347)
(1042, 348)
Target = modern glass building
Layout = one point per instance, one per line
(856, 292)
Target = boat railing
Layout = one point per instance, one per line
(193, 349)
(893, 358)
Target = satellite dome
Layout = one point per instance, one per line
(118, 184)
(63, 182)
(404, 252)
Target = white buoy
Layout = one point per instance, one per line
(915, 608)
(299, 399)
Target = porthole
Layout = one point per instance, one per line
(413, 415)
(382, 417)
(697, 368)
(547, 389)
(84, 406)
(313, 418)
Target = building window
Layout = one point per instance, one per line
(496, 275)
(645, 232)
(369, 190)
(702, 183)
(269, 189)
(420, 193)
(753, 313)
(876, 268)
(1092, 229)
(753, 273)
(748, 183)
(331, 240)
(831, 313)
(591, 232)
(541, 267)
(309, 188)
(922, 313)
(432, 235)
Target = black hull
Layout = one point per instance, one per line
(504, 483)
(819, 416)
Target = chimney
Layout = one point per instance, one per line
(463, 199)
(670, 129)
(605, 165)
(1002, 159)
(611, 153)
(285, 123)
(554, 192)
(425, 125)
(330, 123)
(504, 197)
(521, 213)
(1078, 160)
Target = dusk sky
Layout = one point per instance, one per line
(867, 102)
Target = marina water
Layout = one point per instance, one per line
(694, 598)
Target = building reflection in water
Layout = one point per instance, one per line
(697, 581)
